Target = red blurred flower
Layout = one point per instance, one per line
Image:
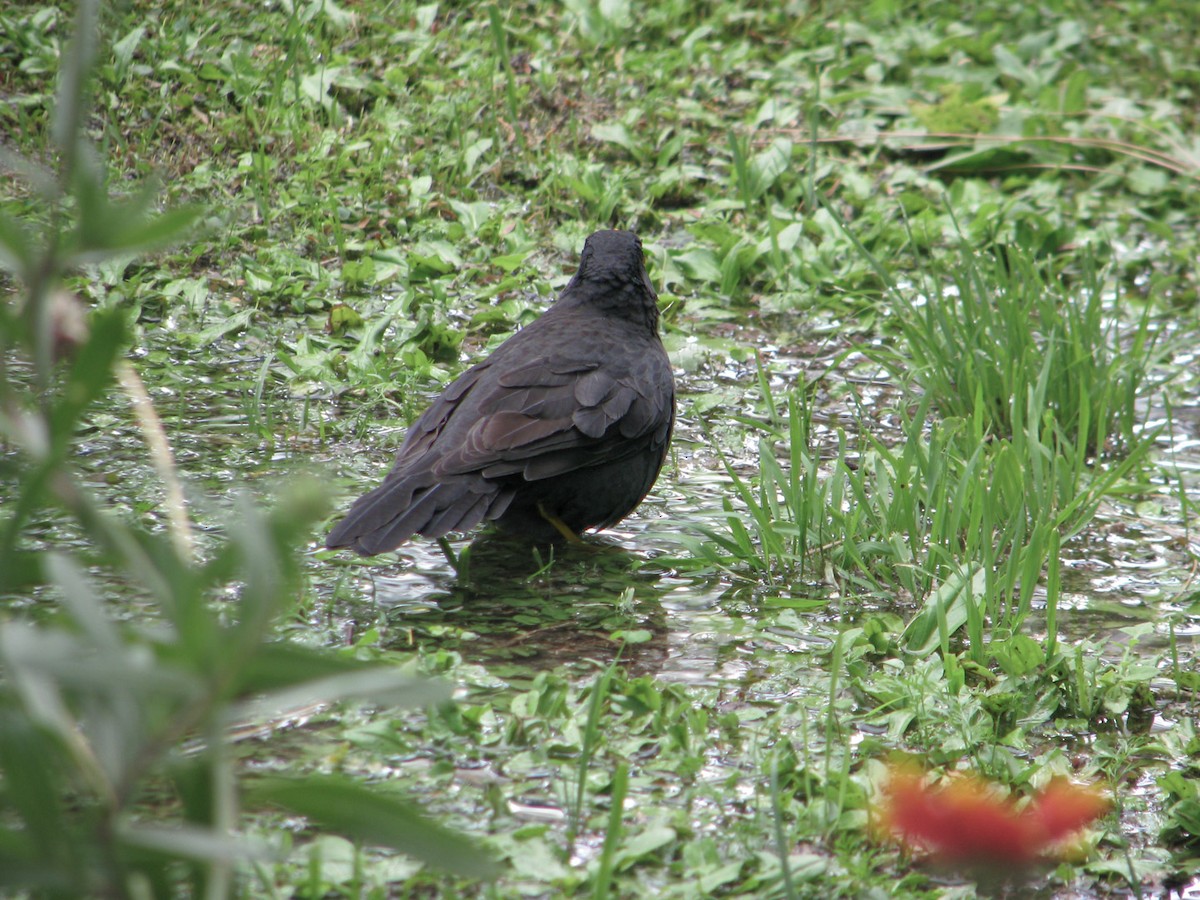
(965, 819)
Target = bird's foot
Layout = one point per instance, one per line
(559, 525)
(459, 562)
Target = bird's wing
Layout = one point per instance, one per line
(431, 423)
(552, 415)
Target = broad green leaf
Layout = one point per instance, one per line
(510, 262)
(646, 843)
(281, 665)
(190, 842)
(374, 816)
(32, 763)
(1074, 93)
(358, 271)
(699, 264)
(209, 71)
(229, 325)
(16, 247)
(536, 859)
(82, 602)
(22, 568)
(473, 216)
(341, 317)
(338, 17)
(379, 685)
(767, 166)
(131, 227)
(616, 133)
(947, 603)
(315, 85)
(124, 49)
(90, 373)
(154, 232)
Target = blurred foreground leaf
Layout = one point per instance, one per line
(373, 817)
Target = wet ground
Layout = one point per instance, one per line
(518, 612)
(1135, 564)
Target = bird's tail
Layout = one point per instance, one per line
(401, 507)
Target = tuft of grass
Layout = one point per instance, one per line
(769, 529)
(1001, 327)
(965, 521)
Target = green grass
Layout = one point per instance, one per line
(997, 220)
(1008, 337)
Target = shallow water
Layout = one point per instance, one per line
(518, 613)
(1130, 566)
(1134, 564)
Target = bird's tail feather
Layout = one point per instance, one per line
(399, 508)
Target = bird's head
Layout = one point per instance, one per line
(612, 275)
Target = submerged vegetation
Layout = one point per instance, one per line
(931, 289)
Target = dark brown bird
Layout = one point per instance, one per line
(563, 428)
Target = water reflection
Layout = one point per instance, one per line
(519, 605)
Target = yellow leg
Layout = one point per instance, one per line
(560, 526)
